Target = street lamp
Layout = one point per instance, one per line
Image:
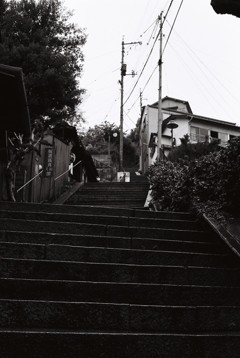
(172, 125)
(109, 146)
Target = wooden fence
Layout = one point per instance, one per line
(41, 178)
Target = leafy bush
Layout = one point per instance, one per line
(188, 151)
(169, 183)
(210, 183)
(216, 178)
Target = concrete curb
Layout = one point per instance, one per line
(65, 196)
(230, 238)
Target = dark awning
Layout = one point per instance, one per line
(14, 113)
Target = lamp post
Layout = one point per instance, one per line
(172, 125)
(109, 146)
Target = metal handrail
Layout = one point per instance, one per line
(23, 186)
(29, 181)
(68, 170)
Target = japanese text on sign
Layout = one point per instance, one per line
(48, 162)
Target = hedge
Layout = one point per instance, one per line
(210, 183)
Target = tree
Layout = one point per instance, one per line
(96, 140)
(38, 37)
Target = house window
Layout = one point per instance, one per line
(214, 134)
(218, 136)
(223, 138)
(198, 134)
(231, 136)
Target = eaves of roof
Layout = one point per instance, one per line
(178, 115)
(213, 120)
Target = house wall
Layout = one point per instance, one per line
(179, 132)
(149, 125)
(48, 185)
(170, 102)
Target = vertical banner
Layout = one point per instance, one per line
(48, 162)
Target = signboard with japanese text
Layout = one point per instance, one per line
(48, 162)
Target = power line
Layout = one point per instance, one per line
(145, 64)
(173, 25)
(205, 90)
(126, 113)
(206, 67)
(153, 32)
(154, 23)
(150, 77)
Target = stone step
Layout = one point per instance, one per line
(92, 210)
(82, 285)
(55, 344)
(140, 257)
(114, 242)
(102, 219)
(113, 255)
(7, 224)
(113, 189)
(107, 192)
(128, 195)
(103, 272)
(169, 234)
(107, 201)
(109, 292)
(115, 184)
(114, 193)
(85, 316)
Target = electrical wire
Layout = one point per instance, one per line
(205, 90)
(144, 66)
(151, 51)
(150, 77)
(172, 26)
(206, 67)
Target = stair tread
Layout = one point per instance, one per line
(89, 277)
(127, 250)
(120, 284)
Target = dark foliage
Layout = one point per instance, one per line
(38, 37)
(210, 183)
(189, 152)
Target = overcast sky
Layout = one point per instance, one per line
(201, 59)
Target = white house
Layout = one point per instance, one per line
(199, 129)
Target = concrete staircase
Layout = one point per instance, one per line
(89, 281)
(114, 194)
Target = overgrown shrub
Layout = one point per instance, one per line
(210, 183)
(216, 179)
(169, 183)
(188, 151)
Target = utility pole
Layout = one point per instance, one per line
(141, 101)
(160, 119)
(123, 74)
